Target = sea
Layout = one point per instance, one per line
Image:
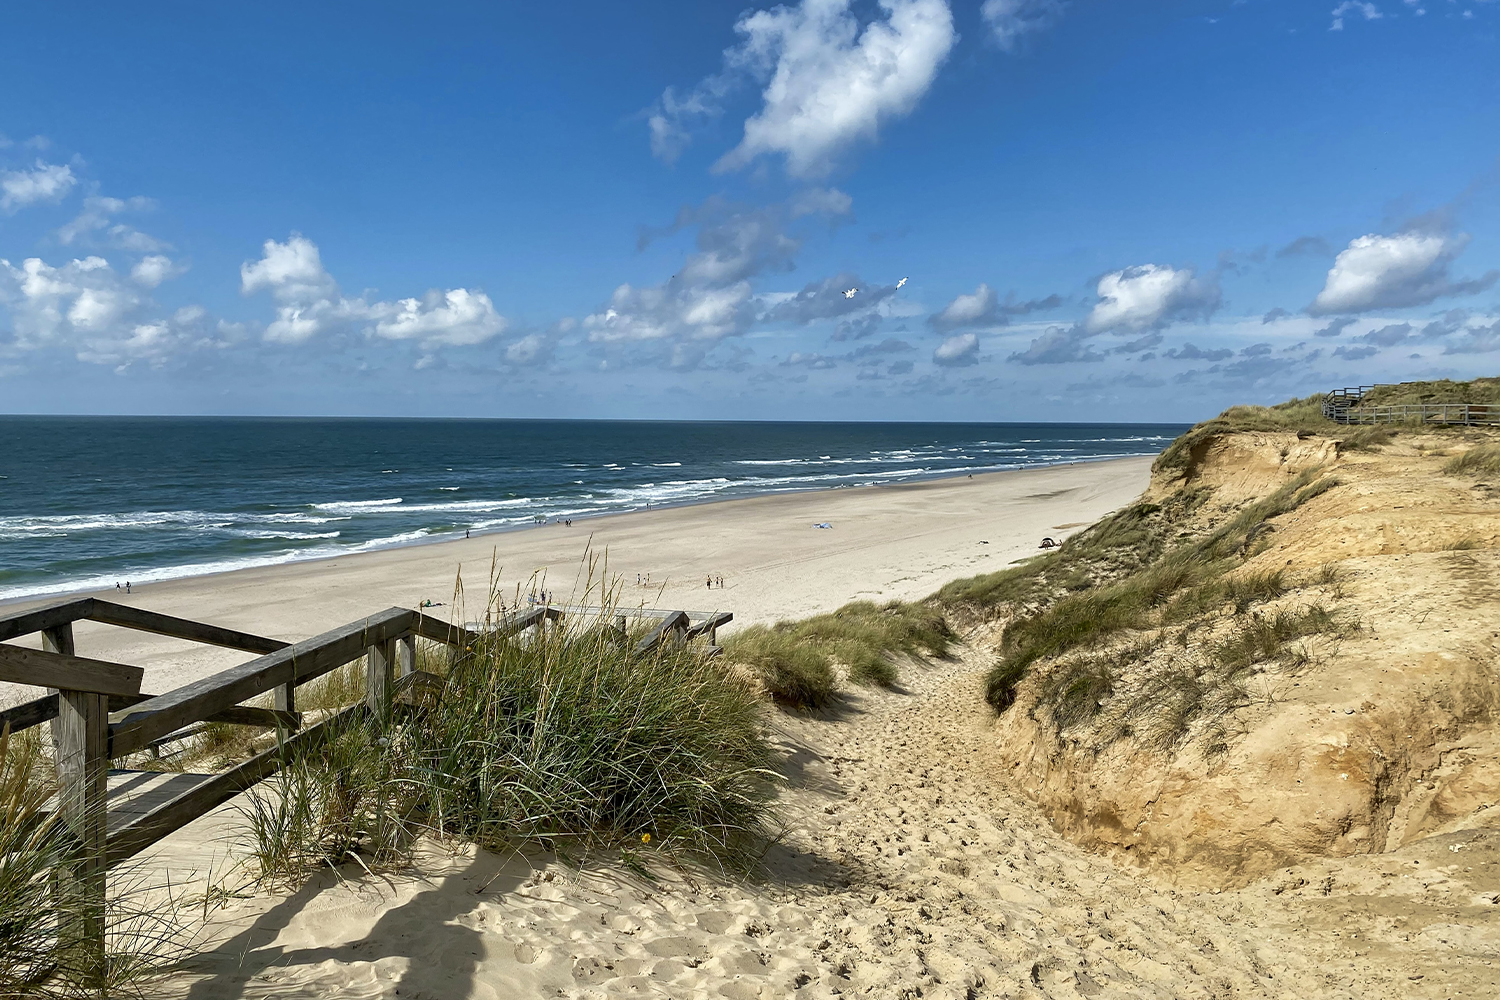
(88, 502)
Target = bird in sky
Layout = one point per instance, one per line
(849, 292)
(902, 282)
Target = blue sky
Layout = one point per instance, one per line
(1105, 210)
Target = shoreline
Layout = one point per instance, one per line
(898, 541)
(74, 589)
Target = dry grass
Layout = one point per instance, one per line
(1480, 460)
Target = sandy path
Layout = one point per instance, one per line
(908, 871)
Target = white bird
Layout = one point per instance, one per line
(849, 292)
(902, 282)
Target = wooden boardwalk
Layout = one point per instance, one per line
(1346, 406)
(98, 715)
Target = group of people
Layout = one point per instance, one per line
(715, 581)
(126, 588)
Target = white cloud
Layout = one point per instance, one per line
(457, 317)
(1406, 269)
(44, 182)
(829, 83)
(532, 349)
(152, 270)
(95, 218)
(1368, 10)
(710, 297)
(958, 350)
(86, 307)
(1010, 21)
(309, 303)
(982, 307)
(1150, 296)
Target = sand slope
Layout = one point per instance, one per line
(909, 870)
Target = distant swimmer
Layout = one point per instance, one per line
(849, 292)
(902, 282)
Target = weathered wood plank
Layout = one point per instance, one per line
(380, 664)
(677, 620)
(297, 663)
(142, 620)
(265, 718)
(710, 624)
(82, 775)
(145, 830)
(440, 631)
(44, 709)
(584, 609)
(70, 673)
(37, 619)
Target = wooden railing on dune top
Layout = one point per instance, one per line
(1346, 406)
(99, 714)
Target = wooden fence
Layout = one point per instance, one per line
(99, 715)
(1345, 406)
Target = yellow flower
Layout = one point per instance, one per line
(645, 838)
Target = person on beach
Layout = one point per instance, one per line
(127, 586)
(466, 532)
(710, 583)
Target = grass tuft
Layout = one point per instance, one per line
(563, 737)
(1481, 460)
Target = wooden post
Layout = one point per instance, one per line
(406, 655)
(285, 701)
(82, 775)
(58, 639)
(620, 628)
(379, 660)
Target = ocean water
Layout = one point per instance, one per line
(86, 502)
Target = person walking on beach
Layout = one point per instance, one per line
(710, 583)
(127, 586)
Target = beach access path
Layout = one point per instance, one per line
(899, 541)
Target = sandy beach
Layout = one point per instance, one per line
(900, 541)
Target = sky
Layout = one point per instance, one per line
(1114, 210)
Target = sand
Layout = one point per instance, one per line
(909, 869)
(901, 541)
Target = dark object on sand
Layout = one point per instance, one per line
(1048, 543)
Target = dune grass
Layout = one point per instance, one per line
(1183, 583)
(796, 660)
(1481, 460)
(563, 738)
(38, 961)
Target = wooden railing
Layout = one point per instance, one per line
(1346, 406)
(99, 714)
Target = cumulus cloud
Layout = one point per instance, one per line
(1407, 269)
(826, 300)
(308, 302)
(153, 269)
(1335, 327)
(710, 297)
(1448, 323)
(1476, 340)
(957, 351)
(96, 223)
(1388, 336)
(1191, 352)
(828, 82)
(529, 351)
(984, 308)
(820, 201)
(88, 308)
(1150, 296)
(1274, 315)
(1349, 353)
(1011, 21)
(858, 327)
(1059, 345)
(45, 182)
(1353, 7)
